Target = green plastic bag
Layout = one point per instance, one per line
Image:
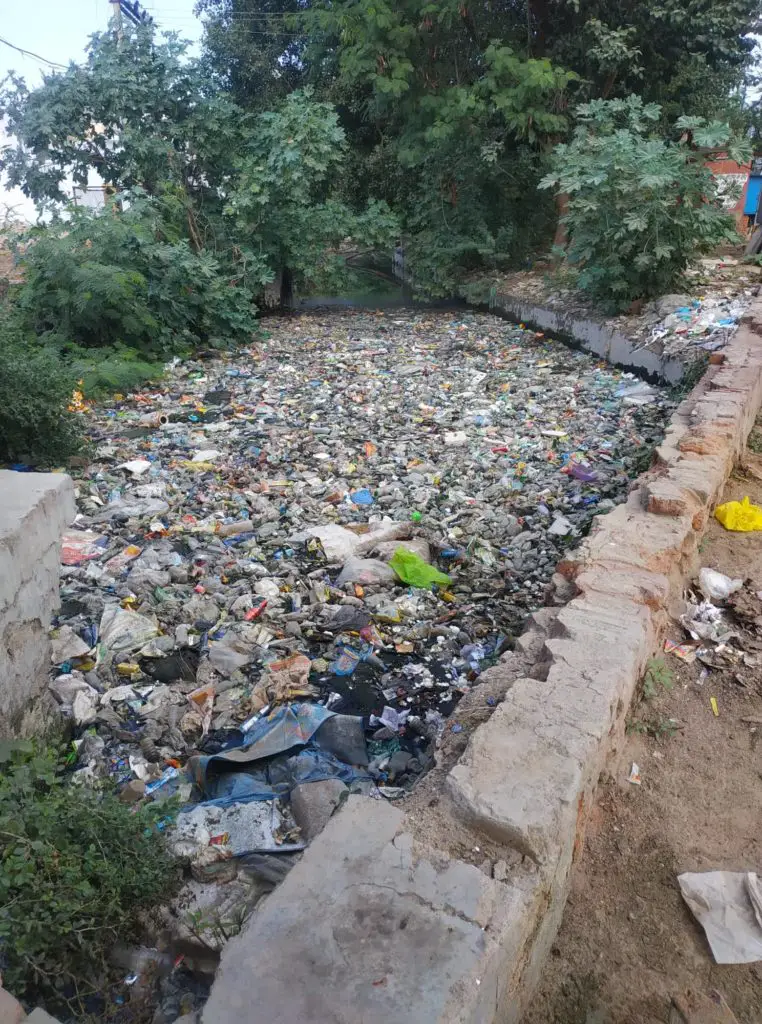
(741, 516)
(412, 569)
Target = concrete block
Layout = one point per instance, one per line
(635, 584)
(662, 497)
(704, 477)
(365, 928)
(633, 537)
(36, 507)
(599, 630)
(313, 803)
(39, 1016)
(11, 1010)
(521, 774)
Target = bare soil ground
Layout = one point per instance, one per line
(628, 943)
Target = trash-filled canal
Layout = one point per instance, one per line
(356, 513)
(290, 564)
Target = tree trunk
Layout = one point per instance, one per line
(561, 239)
(286, 289)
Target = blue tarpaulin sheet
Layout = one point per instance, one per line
(254, 771)
(289, 726)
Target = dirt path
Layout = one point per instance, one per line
(628, 942)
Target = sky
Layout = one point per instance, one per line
(58, 30)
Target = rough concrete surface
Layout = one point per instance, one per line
(39, 1016)
(373, 927)
(11, 1010)
(366, 928)
(601, 339)
(34, 510)
(313, 803)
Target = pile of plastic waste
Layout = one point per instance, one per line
(682, 326)
(350, 520)
(289, 565)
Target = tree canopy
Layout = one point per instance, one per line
(256, 189)
(452, 108)
(310, 126)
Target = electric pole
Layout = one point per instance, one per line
(132, 11)
(116, 7)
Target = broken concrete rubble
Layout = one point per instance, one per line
(313, 803)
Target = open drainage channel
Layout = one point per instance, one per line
(291, 566)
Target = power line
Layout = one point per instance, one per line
(187, 16)
(253, 25)
(251, 32)
(179, 12)
(35, 56)
(224, 17)
(233, 14)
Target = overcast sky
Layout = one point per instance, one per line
(58, 30)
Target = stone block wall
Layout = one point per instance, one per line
(34, 510)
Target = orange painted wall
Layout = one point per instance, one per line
(722, 167)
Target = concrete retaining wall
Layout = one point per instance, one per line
(390, 918)
(34, 509)
(600, 338)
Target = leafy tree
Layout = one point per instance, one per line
(460, 123)
(640, 207)
(451, 108)
(123, 277)
(284, 198)
(253, 49)
(687, 55)
(138, 112)
(226, 206)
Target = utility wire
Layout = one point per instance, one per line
(224, 18)
(229, 15)
(254, 27)
(178, 12)
(36, 56)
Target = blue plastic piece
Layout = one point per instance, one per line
(362, 497)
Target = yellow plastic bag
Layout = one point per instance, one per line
(741, 516)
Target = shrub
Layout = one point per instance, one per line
(640, 207)
(123, 277)
(35, 390)
(76, 868)
(105, 371)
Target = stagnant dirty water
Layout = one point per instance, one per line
(235, 582)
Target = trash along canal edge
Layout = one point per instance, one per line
(376, 922)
